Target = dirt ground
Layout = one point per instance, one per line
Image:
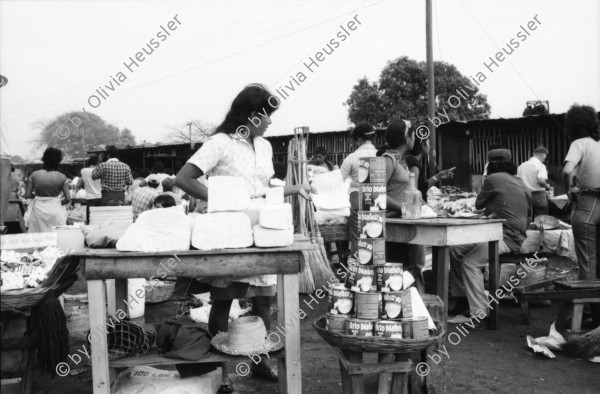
(481, 362)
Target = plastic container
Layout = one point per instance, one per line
(135, 287)
(69, 237)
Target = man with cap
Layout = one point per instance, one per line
(143, 197)
(534, 174)
(504, 196)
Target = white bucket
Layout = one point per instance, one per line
(70, 237)
(136, 304)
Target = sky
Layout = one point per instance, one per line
(55, 55)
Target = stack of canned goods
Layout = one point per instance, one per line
(374, 313)
(373, 301)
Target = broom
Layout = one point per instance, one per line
(585, 346)
(319, 263)
(306, 283)
(322, 272)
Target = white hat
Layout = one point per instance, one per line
(246, 336)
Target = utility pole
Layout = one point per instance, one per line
(190, 133)
(430, 89)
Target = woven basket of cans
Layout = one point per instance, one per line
(375, 343)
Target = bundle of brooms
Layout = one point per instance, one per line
(317, 271)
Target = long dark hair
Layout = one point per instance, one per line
(395, 136)
(582, 121)
(253, 98)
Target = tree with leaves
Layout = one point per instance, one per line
(401, 93)
(200, 132)
(77, 132)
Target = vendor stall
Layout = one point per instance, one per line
(286, 262)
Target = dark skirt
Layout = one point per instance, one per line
(241, 290)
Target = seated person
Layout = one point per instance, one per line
(503, 196)
(164, 201)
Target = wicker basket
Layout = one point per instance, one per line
(375, 344)
(60, 278)
(161, 291)
(334, 232)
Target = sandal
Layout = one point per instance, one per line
(226, 387)
(263, 371)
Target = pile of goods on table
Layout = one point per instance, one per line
(234, 220)
(450, 201)
(27, 270)
(376, 300)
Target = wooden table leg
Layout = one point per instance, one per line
(121, 295)
(111, 297)
(97, 299)
(288, 301)
(356, 381)
(441, 270)
(493, 283)
(577, 317)
(385, 379)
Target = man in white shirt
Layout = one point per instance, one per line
(93, 187)
(534, 174)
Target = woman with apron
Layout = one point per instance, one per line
(47, 209)
(238, 149)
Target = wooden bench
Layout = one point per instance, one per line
(573, 294)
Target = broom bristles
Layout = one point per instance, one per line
(585, 346)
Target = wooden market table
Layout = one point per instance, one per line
(440, 234)
(286, 262)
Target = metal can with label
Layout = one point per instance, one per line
(336, 323)
(368, 305)
(391, 305)
(387, 329)
(371, 251)
(406, 303)
(406, 328)
(361, 277)
(389, 276)
(359, 327)
(373, 197)
(341, 300)
(420, 327)
(371, 170)
(371, 224)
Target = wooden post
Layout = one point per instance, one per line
(433, 153)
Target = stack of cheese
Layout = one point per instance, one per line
(276, 224)
(226, 225)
